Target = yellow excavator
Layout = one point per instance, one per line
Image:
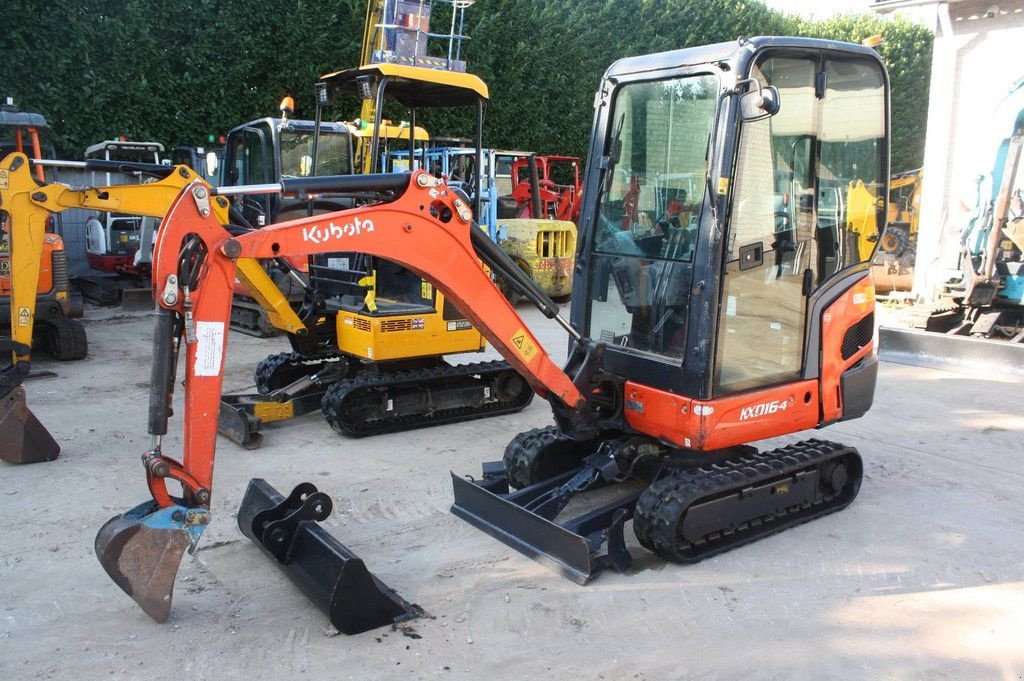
(26, 205)
(370, 354)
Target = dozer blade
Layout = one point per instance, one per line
(141, 550)
(137, 299)
(570, 548)
(238, 426)
(241, 417)
(23, 439)
(330, 575)
(953, 353)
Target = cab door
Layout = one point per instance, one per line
(798, 208)
(249, 161)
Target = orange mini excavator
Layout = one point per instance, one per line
(689, 338)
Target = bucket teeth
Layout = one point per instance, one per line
(23, 439)
(141, 550)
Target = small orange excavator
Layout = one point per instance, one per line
(688, 341)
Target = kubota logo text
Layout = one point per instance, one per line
(319, 234)
(763, 409)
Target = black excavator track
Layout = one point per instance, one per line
(372, 404)
(249, 318)
(64, 339)
(691, 515)
(283, 369)
(542, 453)
(686, 513)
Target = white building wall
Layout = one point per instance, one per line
(975, 62)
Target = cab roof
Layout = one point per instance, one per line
(22, 119)
(728, 51)
(416, 87)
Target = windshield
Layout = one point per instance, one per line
(334, 156)
(648, 213)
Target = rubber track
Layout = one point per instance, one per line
(251, 319)
(560, 454)
(349, 388)
(269, 371)
(661, 507)
(66, 339)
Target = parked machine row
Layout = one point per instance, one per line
(695, 328)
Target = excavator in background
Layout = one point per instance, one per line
(265, 151)
(28, 206)
(118, 246)
(371, 353)
(56, 329)
(983, 301)
(685, 345)
(205, 160)
(904, 214)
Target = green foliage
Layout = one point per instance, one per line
(176, 72)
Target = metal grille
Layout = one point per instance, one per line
(361, 324)
(396, 325)
(554, 243)
(60, 271)
(858, 335)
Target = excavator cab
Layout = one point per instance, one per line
(717, 320)
(700, 323)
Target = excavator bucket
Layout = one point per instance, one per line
(23, 439)
(330, 575)
(141, 550)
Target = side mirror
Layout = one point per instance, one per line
(212, 164)
(760, 103)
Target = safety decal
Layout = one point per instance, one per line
(5, 179)
(209, 348)
(524, 345)
(24, 316)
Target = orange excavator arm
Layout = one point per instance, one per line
(426, 228)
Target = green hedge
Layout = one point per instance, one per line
(176, 72)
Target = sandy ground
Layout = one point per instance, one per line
(921, 578)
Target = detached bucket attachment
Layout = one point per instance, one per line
(525, 521)
(141, 551)
(330, 575)
(23, 439)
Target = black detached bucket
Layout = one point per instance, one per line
(331, 576)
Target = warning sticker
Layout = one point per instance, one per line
(723, 185)
(5, 179)
(524, 345)
(209, 348)
(24, 316)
